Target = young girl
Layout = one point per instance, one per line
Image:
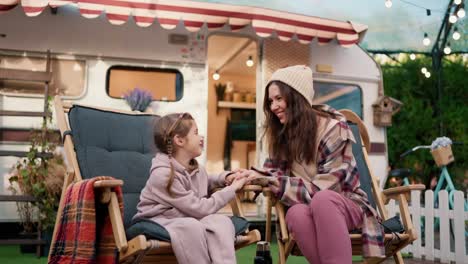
(176, 195)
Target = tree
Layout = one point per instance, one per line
(418, 121)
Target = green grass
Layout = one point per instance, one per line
(247, 255)
(12, 255)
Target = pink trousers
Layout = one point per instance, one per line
(321, 228)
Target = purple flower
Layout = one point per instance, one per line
(138, 99)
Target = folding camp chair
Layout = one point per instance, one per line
(120, 144)
(377, 198)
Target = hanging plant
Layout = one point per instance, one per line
(220, 89)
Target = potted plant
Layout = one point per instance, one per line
(220, 89)
(138, 99)
(40, 175)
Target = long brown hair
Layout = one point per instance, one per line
(164, 131)
(296, 139)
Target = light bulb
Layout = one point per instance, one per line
(456, 35)
(412, 56)
(423, 70)
(427, 74)
(249, 62)
(457, 2)
(461, 13)
(76, 67)
(426, 40)
(447, 49)
(453, 19)
(216, 76)
(388, 3)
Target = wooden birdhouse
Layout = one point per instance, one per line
(384, 108)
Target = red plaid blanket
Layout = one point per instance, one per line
(84, 234)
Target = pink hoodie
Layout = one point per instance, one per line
(198, 234)
(189, 192)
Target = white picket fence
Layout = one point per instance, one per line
(438, 243)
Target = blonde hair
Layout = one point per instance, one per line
(164, 131)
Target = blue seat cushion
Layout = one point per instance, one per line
(153, 230)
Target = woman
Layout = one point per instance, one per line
(310, 153)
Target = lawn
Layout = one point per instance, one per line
(12, 255)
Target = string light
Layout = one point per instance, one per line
(216, 76)
(456, 35)
(423, 70)
(428, 75)
(457, 2)
(447, 49)
(412, 56)
(388, 3)
(461, 12)
(249, 62)
(426, 40)
(453, 19)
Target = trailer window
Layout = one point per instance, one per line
(163, 84)
(339, 96)
(68, 76)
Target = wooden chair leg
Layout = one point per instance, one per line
(398, 258)
(281, 255)
(268, 219)
(288, 248)
(69, 177)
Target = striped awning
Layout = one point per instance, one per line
(194, 15)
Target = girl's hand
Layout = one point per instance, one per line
(238, 183)
(237, 173)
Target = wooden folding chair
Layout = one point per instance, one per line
(286, 243)
(103, 142)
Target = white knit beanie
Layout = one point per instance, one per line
(299, 77)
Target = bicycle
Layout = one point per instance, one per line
(442, 154)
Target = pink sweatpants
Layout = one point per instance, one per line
(321, 228)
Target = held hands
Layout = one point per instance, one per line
(238, 178)
(257, 178)
(238, 183)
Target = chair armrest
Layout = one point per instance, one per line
(403, 195)
(105, 188)
(110, 198)
(246, 188)
(251, 188)
(394, 193)
(108, 183)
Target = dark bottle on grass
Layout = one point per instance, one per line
(263, 255)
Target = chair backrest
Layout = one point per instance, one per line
(364, 173)
(114, 144)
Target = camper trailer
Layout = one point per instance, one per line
(212, 60)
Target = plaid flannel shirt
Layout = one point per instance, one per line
(334, 158)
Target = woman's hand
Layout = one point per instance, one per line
(260, 179)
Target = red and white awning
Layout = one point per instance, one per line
(195, 14)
